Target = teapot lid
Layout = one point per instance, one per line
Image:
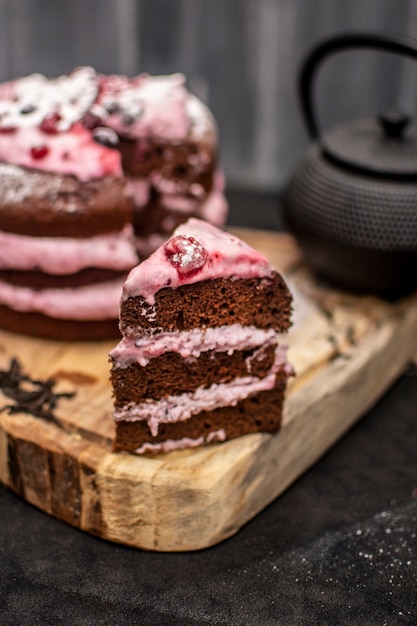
(385, 147)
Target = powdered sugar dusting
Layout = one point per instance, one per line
(203, 125)
(35, 97)
(69, 124)
(15, 185)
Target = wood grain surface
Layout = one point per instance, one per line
(346, 351)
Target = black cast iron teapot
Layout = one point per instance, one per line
(352, 201)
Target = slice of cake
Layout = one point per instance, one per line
(201, 358)
(93, 170)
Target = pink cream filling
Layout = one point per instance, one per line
(91, 302)
(182, 407)
(190, 343)
(180, 444)
(59, 255)
(214, 209)
(182, 198)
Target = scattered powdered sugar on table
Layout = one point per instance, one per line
(358, 575)
(373, 562)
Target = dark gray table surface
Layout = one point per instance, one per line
(339, 547)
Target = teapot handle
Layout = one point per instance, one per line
(342, 42)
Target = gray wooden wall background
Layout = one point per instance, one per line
(240, 56)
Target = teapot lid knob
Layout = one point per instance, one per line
(394, 123)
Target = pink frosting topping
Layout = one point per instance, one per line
(67, 152)
(70, 124)
(197, 251)
(144, 106)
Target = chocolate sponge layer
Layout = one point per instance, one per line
(257, 413)
(40, 280)
(170, 374)
(260, 302)
(43, 204)
(38, 325)
(184, 163)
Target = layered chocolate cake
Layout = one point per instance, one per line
(200, 359)
(94, 170)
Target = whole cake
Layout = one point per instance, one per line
(200, 359)
(95, 172)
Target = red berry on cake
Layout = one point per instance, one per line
(186, 254)
(49, 124)
(39, 152)
(7, 129)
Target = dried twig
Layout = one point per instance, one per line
(36, 397)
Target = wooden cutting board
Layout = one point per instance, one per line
(346, 351)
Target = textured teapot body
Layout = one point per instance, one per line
(352, 200)
(356, 232)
